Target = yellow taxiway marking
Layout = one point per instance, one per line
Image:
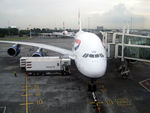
(147, 63)
(123, 102)
(26, 94)
(97, 102)
(37, 94)
(36, 86)
(40, 101)
(23, 104)
(109, 102)
(26, 88)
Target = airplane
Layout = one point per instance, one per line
(64, 33)
(88, 53)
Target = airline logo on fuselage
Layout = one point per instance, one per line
(77, 44)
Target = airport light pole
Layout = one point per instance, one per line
(8, 29)
(18, 32)
(30, 30)
(123, 33)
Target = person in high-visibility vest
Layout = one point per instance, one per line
(15, 74)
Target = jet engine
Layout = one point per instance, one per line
(14, 50)
(38, 53)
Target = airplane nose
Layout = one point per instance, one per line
(94, 69)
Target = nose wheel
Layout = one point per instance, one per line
(92, 85)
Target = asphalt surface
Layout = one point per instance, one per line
(68, 94)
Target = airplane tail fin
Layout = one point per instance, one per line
(79, 21)
(63, 26)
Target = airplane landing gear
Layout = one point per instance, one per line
(92, 85)
(124, 70)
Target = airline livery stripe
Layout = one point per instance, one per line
(78, 41)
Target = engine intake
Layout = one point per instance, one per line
(14, 50)
(38, 53)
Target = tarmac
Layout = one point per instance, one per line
(68, 94)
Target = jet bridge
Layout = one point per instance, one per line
(126, 47)
(135, 47)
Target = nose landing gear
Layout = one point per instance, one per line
(92, 85)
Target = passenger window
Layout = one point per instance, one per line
(85, 55)
(101, 55)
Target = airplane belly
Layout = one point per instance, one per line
(92, 69)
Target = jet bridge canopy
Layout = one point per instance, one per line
(135, 52)
(131, 39)
(136, 47)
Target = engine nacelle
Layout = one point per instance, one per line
(14, 50)
(38, 53)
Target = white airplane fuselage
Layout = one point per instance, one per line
(90, 55)
(88, 52)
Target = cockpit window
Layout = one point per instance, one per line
(85, 55)
(93, 55)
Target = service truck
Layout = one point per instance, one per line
(23, 62)
(46, 65)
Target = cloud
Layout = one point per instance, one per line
(52, 13)
(118, 16)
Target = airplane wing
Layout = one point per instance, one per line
(44, 46)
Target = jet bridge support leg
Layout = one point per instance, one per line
(124, 70)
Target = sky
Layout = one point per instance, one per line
(52, 13)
